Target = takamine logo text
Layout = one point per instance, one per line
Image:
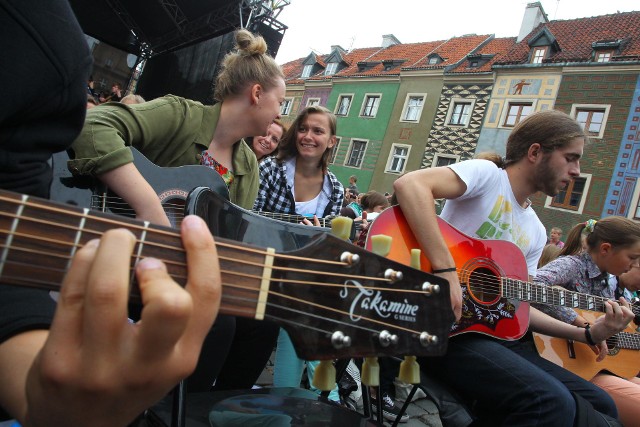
(372, 300)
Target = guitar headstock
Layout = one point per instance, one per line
(337, 300)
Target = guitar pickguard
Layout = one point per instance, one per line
(475, 315)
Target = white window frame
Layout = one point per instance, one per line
(376, 106)
(456, 101)
(507, 106)
(332, 68)
(313, 101)
(306, 71)
(340, 98)
(393, 156)
(286, 107)
(603, 56)
(583, 200)
(349, 151)
(406, 108)
(605, 107)
(536, 58)
(434, 164)
(334, 150)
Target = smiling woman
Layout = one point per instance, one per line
(265, 145)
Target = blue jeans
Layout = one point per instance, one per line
(509, 384)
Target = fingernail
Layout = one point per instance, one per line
(93, 243)
(193, 222)
(150, 264)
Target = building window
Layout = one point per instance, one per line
(334, 150)
(306, 71)
(313, 101)
(539, 54)
(370, 105)
(516, 112)
(412, 108)
(570, 197)
(398, 158)
(344, 103)
(433, 60)
(285, 108)
(108, 63)
(592, 120)
(332, 68)
(356, 153)
(444, 160)
(460, 113)
(604, 56)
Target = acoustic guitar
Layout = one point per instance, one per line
(171, 184)
(335, 299)
(493, 275)
(623, 358)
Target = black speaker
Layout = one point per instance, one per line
(189, 72)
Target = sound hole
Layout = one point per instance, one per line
(612, 344)
(484, 285)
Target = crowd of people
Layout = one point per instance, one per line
(90, 359)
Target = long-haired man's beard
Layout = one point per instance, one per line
(546, 178)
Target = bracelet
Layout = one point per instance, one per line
(587, 334)
(444, 270)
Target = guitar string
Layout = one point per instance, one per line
(117, 206)
(496, 289)
(555, 295)
(55, 285)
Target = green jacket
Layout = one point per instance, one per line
(170, 131)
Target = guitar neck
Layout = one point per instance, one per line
(294, 218)
(330, 295)
(51, 233)
(543, 294)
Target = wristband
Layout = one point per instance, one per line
(587, 334)
(444, 270)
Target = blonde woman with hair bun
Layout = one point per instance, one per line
(174, 131)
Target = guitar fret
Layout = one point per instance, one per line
(11, 233)
(76, 241)
(138, 253)
(264, 284)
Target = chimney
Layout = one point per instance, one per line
(533, 16)
(389, 40)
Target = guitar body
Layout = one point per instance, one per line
(481, 266)
(172, 185)
(622, 360)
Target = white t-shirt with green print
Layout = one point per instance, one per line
(489, 210)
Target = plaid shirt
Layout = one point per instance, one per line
(275, 194)
(576, 273)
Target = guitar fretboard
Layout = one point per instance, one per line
(537, 293)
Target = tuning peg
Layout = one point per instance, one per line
(415, 258)
(380, 244)
(409, 370)
(341, 227)
(370, 372)
(324, 377)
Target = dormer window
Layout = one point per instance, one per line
(539, 54)
(603, 56)
(332, 68)
(306, 71)
(433, 60)
(605, 50)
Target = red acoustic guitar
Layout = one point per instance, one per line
(493, 275)
(623, 358)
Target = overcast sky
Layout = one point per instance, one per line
(317, 25)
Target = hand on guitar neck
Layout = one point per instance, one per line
(95, 358)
